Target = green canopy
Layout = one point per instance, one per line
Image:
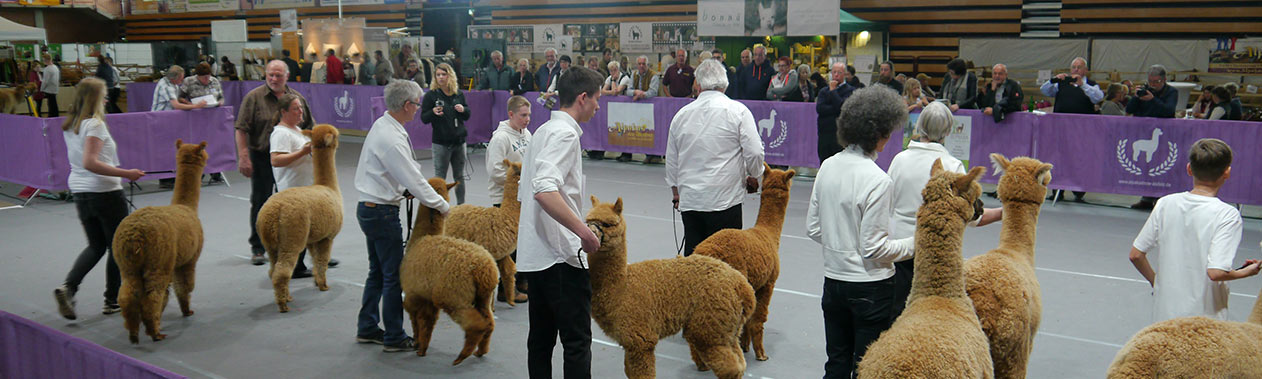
(852, 24)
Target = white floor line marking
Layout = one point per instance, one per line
(792, 292)
(1113, 345)
(234, 197)
(1121, 279)
(667, 357)
(344, 281)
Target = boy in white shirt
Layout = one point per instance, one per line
(291, 158)
(1197, 235)
(509, 141)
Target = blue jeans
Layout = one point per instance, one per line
(385, 251)
(451, 156)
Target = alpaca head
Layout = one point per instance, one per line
(190, 154)
(958, 193)
(441, 186)
(1024, 179)
(323, 136)
(605, 219)
(773, 179)
(514, 171)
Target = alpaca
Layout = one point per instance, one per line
(1146, 146)
(304, 218)
(1193, 347)
(448, 273)
(1001, 282)
(157, 245)
(638, 304)
(938, 335)
(755, 252)
(494, 229)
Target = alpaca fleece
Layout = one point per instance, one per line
(1193, 347)
(495, 229)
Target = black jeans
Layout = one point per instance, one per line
(855, 314)
(111, 102)
(100, 213)
(903, 273)
(827, 145)
(701, 225)
(53, 110)
(262, 184)
(560, 303)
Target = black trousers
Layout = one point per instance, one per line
(903, 273)
(827, 145)
(855, 314)
(53, 110)
(701, 225)
(111, 100)
(560, 303)
(262, 186)
(100, 213)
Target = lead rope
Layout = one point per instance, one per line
(131, 188)
(679, 245)
(408, 201)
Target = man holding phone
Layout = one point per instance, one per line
(1074, 93)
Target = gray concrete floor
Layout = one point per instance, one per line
(1093, 300)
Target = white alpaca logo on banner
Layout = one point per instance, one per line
(1148, 148)
(344, 105)
(768, 125)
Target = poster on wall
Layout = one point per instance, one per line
(288, 20)
(636, 37)
(212, 5)
(566, 45)
(40, 2)
(518, 37)
(25, 51)
(278, 4)
(593, 38)
(631, 124)
(668, 36)
(157, 6)
(768, 17)
(1236, 56)
(547, 37)
(426, 46)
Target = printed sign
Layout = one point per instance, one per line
(758, 18)
(288, 20)
(636, 37)
(547, 36)
(631, 124)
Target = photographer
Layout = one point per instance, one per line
(1074, 92)
(1155, 99)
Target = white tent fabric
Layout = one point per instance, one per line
(1138, 55)
(12, 31)
(1022, 54)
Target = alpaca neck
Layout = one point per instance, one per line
(428, 223)
(188, 185)
(1019, 227)
(771, 211)
(509, 203)
(1256, 316)
(939, 263)
(608, 265)
(325, 173)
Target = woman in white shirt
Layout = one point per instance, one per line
(617, 82)
(291, 159)
(849, 215)
(98, 192)
(910, 172)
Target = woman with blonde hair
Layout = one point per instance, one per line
(445, 109)
(98, 192)
(913, 95)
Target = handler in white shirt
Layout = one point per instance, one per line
(849, 215)
(713, 156)
(509, 141)
(551, 230)
(385, 169)
(910, 172)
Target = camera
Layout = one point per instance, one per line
(1141, 91)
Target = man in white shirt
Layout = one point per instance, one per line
(50, 80)
(551, 231)
(713, 156)
(386, 168)
(1196, 236)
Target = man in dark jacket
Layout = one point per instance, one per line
(1002, 96)
(828, 106)
(756, 77)
(1158, 99)
(736, 87)
(497, 75)
(292, 65)
(547, 71)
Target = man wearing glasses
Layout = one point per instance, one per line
(1153, 100)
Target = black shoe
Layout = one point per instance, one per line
(372, 338)
(216, 178)
(1143, 205)
(111, 308)
(258, 259)
(303, 273)
(333, 262)
(405, 345)
(624, 158)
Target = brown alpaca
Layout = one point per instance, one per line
(494, 229)
(1193, 347)
(755, 252)
(1001, 282)
(938, 335)
(157, 245)
(304, 218)
(638, 304)
(451, 274)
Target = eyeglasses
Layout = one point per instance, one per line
(412, 102)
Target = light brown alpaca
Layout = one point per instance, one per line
(1194, 347)
(304, 218)
(638, 304)
(755, 252)
(448, 273)
(494, 229)
(938, 335)
(1001, 282)
(157, 245)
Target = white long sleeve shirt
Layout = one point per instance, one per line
(553, 163)
(713, 146)
(849, 215)
(506, 143)
(1093, 91)
(386, 168)
(50, 79)
(910, 172)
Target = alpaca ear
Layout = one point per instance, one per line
(999, 162)
(790, 173)
(617, 206)
(936, 168)
(328, 139)
(178, 142)
(963, 183)
(452, 185)
(595, 200)
(201, 146)
(766, 167)
(1044, 174)
(508, 163)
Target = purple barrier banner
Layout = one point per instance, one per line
(31, 350)
(343, 106)
(145, 141)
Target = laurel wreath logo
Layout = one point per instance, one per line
(784, 135)
(1169, 163)
(1126, 162)
(1161, 169)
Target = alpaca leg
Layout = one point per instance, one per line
(726, 360)
(129, 298)
(754, 327)
(428, 314)
(184, 280)
(508, 282)
(321, 252)
(696, 358)
(282, 269)
(639, 362)
(155, 287)
(476, 326)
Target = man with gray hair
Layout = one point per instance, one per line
(1073, 92)
(546, 72)
(1155, 99)
(166, 96)
(712, 154)
(497, 75)
(828, 106)
(386, 167)
(1002, 96)
(644, 84)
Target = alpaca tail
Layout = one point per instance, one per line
(748, 301)
(486, 278)
(268, 227)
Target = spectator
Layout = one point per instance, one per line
(678, 78)
(714, 155)
(1002, 96)
(901, 78)
(204, 85)
(306, 74)
(1203, 104)
(757, 76)
(960, 87)
(606, 57)
(828, 105)
(497, 76)
(106, 71)
(386, 167)
(914, 96)
(50, 81)
(1222, 104)
(414, 72)
(594, 65)
(366, 71)
(228, 71)
(644, 84)
(548, 71)
(886, 77)
(849, 215)
(403, 60)
(1112, 105)
(294, 69)
(1156, 99)
(736, 83)
(333, 68)
(98, 193)
(214, 64)
(166, 95)
(617, 82)
(854, 80)
(552, 83)
(1237, 109)
(924, 86)
(383, 71)
(805, 85)
(1073, 92)
(444, 108)
(784, 84)
(522, 81)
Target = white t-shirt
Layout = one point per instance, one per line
(1190, 234)
(301, 172)
(82, 180)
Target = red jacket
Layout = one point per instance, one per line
(333, 69)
